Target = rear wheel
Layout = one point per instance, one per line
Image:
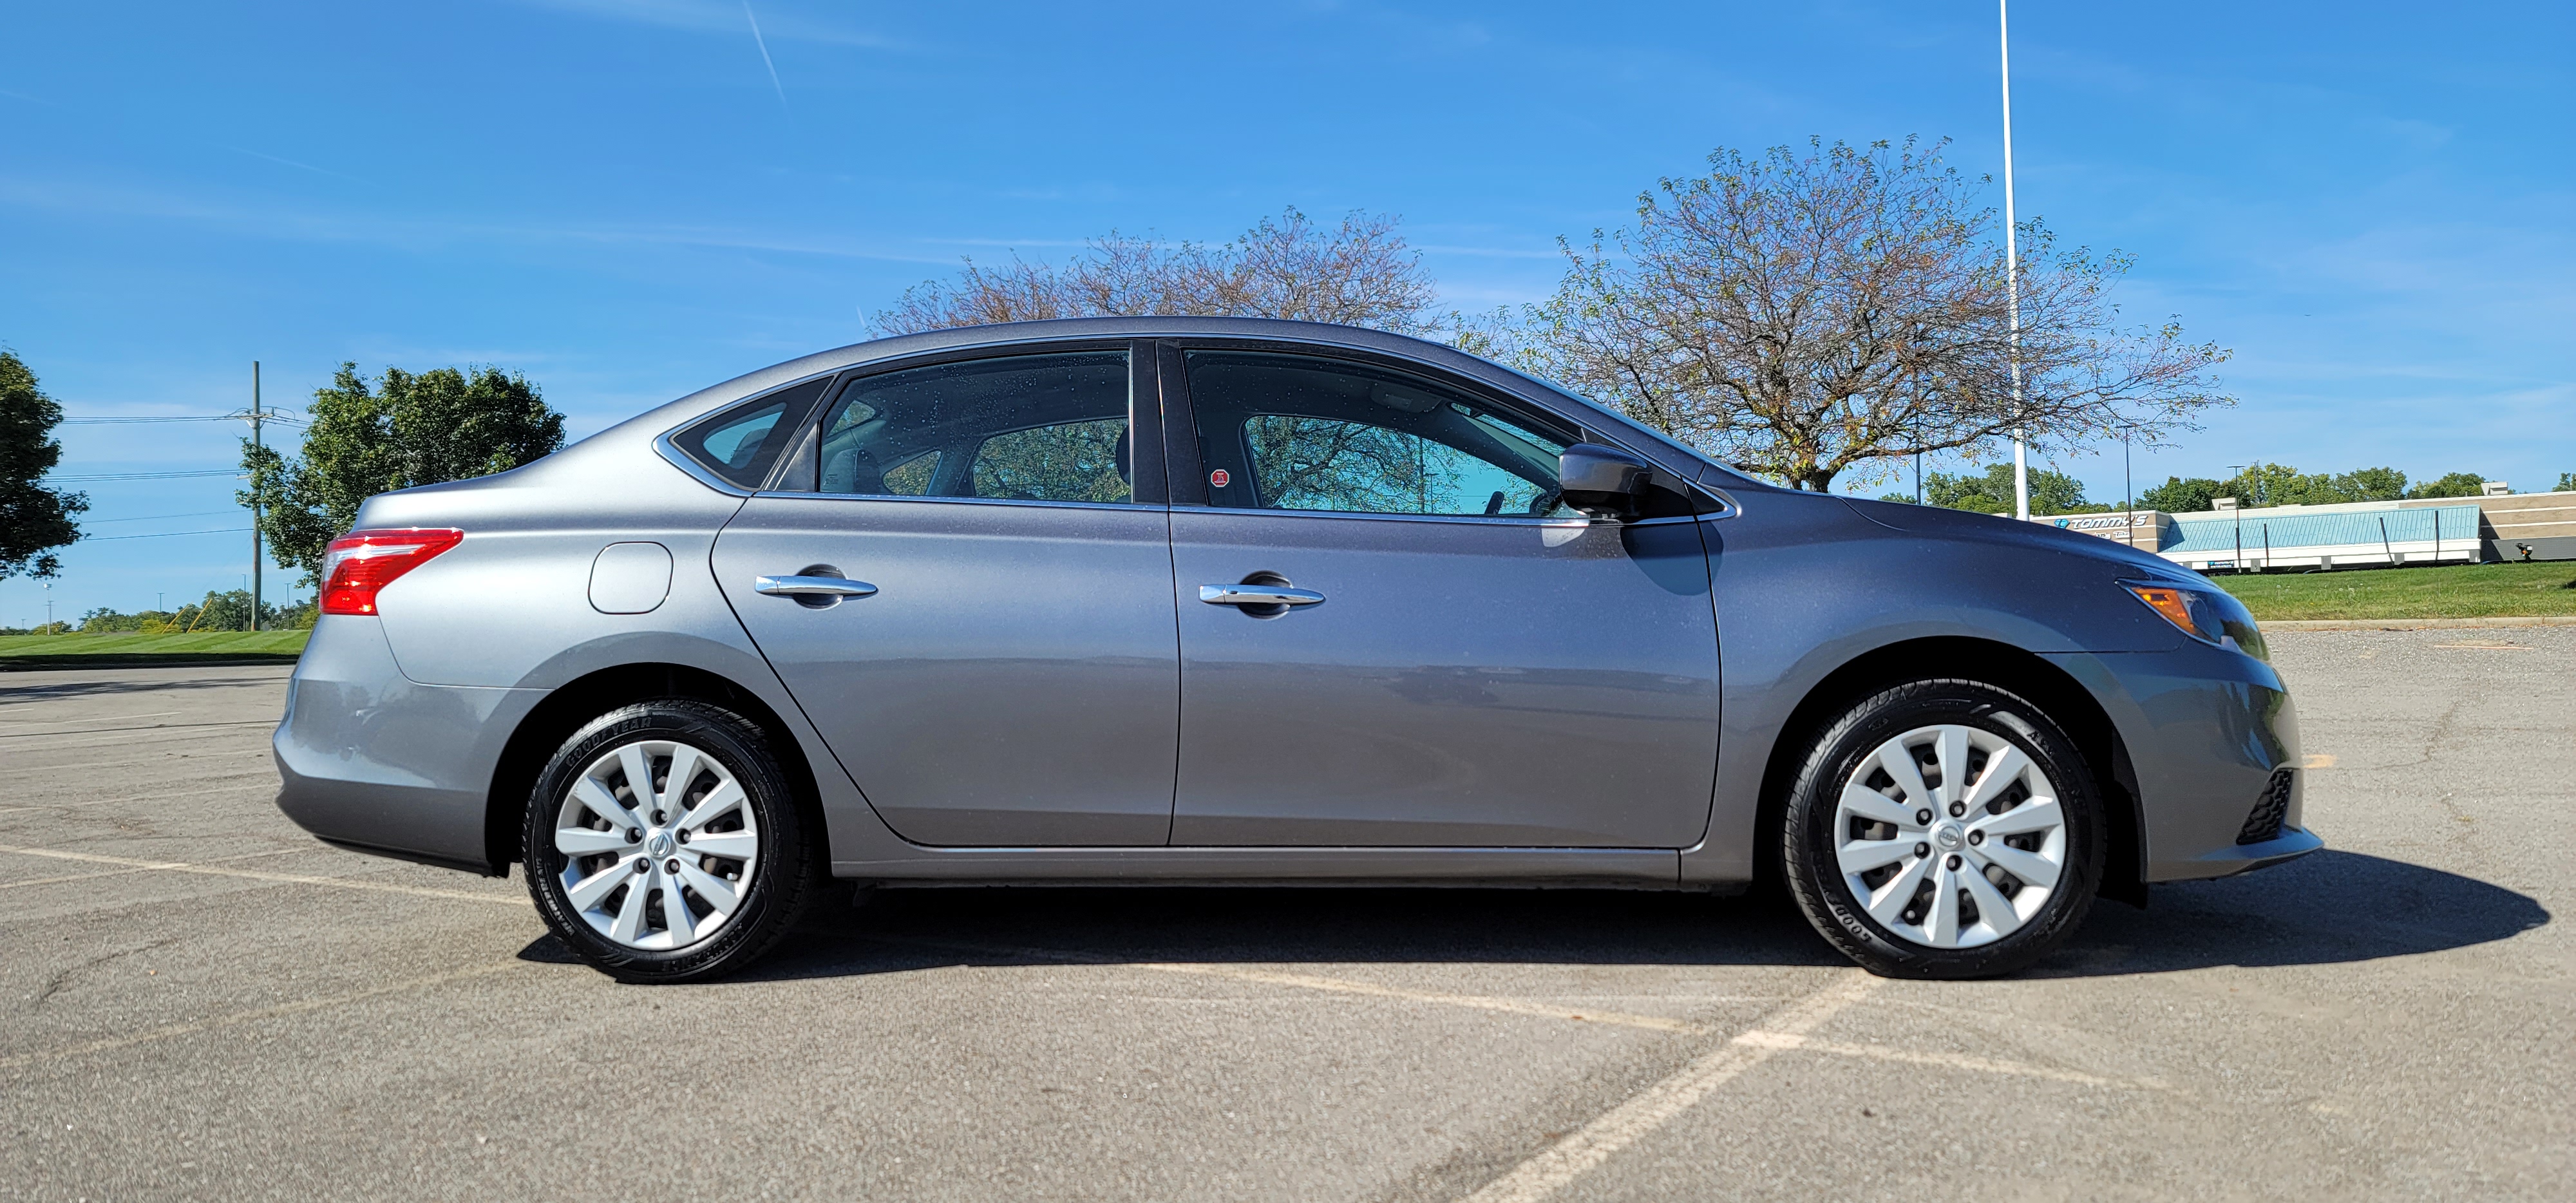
(1944, 829)
(663, 844)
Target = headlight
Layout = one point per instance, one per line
(2209, 615)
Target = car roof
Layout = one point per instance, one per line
(1675, 457)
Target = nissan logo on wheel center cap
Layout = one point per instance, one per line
(660, 845)
(1948, 836)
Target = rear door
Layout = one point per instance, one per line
(1011, 679)
(1482, 667)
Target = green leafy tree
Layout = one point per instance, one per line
(2453, 484)
(2370, 484)
(1991, 492)
(406, 430)
(2183, 495)
(1359, 273)
(34, 519)
(2566, 483)
(1807, 312)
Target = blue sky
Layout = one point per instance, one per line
(2371, 204)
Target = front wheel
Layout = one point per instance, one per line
(1944, 829)
(663, 844)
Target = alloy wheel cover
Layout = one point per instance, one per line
(1950, 836)
(659, 845)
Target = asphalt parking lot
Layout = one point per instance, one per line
(205, 1003)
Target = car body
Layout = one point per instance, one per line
(1035, 692)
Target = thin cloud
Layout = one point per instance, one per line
(418, 234)
(292, 163)
(706, 16)
(765, 60)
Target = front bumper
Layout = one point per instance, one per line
(2205, 728)
(373, 760)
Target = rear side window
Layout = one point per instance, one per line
(1012, 428)
(740, 444)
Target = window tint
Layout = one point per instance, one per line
(740, 444)
(1022, 427)
(1301, 433)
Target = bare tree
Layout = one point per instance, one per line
(1359, 273)
(1808, 314)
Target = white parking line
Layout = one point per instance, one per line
(46, 881)
(209, 728)
(104, 718)
(241, 1017)
(1308, 981)
(1655, 1106)
(1508, 1006)
(258, 781)
(300, 879)
(1881, 1052)
(1770, 1037)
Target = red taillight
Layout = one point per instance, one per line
(363, 561)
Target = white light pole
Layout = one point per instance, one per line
(2012, 274)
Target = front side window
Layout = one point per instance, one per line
(1297, 432)
(1015, 428)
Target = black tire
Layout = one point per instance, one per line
(1808, 838)
(785, 871)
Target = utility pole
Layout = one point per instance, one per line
(254, 496)
(2012, 275)
(2128, 491)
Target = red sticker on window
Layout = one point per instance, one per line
(1218, 478)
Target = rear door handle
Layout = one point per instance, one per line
(1257, 595)
(811, 586)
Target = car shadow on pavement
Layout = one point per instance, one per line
(2329, 907)
(2324, 908)
(904, 930)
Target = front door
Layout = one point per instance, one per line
(1011, 680)
(1408, 641)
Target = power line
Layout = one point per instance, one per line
(167, 534)
(160, 517)
(240, 417)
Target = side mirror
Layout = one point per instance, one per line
(1602, 482)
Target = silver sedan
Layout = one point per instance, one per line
(1217, 600)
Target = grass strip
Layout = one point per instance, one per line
(127, 648)
(2539, 590)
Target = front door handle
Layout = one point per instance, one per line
(811, 586)
(1257, 595)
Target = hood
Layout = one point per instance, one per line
(1933, 521)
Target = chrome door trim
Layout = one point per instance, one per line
(801, 495)
(1576, 523)
(811, 586)
(1258, 595)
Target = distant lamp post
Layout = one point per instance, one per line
(2128, 490)
(2012, 274)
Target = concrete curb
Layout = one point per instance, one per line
(2414, 624)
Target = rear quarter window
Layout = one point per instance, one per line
(742, 442)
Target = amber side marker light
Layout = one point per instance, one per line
(361, 562)
(2177, 606)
